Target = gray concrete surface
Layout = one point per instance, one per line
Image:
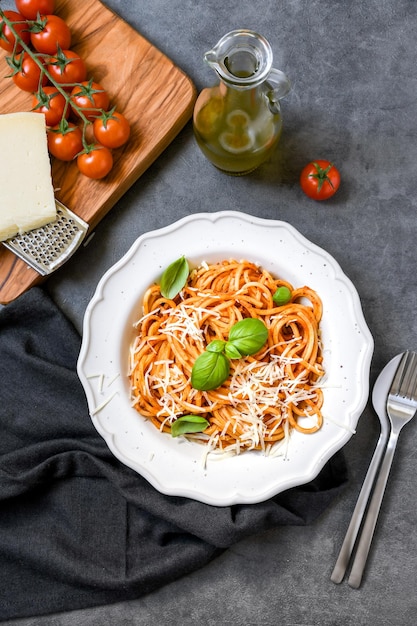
(353, 71)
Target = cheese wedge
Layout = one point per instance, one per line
(27, 198)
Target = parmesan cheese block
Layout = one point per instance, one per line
(26, 193)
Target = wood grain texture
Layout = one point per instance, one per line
(144, 84)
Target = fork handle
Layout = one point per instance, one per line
(359, 510)
(364, 545)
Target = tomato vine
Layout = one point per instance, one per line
(62, 89)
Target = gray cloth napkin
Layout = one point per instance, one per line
(78, 528)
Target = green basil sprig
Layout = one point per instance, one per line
(210, 370)
(174, 278)
(212, 367)
(248, 336)
(189, 424)
(282, 295)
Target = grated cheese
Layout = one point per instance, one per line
(184, 321)
(255, 386)
(105, 402)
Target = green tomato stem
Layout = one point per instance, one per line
(321, 175)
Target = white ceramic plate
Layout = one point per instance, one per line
(174, 466)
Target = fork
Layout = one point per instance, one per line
(401, 408)
(358, 514)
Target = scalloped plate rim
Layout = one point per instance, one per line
(160, 459)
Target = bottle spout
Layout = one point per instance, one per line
(210, 57)
(243, 58)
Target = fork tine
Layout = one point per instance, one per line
(409, 373)
(399, 374)
(412, 378)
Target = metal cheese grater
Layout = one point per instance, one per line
(47, 248)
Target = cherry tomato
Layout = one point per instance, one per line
(91, 98)
(96, 162)
(51, 103)
(67, 67)
(27, 73)
(65, 141)
(31, 8)
(111, 129)
(7, 39)
(50, 32)
(320, 179)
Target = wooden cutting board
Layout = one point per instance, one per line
(145, 85)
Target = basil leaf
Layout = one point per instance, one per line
(231, 351)
(210, 370)
(248, 336)
(189, 424)
(217, 345)
(282, 295)
(174, 278)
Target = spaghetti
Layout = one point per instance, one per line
(266, 395)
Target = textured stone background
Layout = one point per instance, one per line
(354, 83)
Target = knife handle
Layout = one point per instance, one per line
(361, 556)
(349, 541)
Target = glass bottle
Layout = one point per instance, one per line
(237, 123)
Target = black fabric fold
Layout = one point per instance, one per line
(77, 527)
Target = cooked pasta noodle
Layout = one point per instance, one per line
(266, 395)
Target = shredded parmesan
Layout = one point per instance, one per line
(105, 402)
(261, 398)
(254, 386)
(184, 321)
